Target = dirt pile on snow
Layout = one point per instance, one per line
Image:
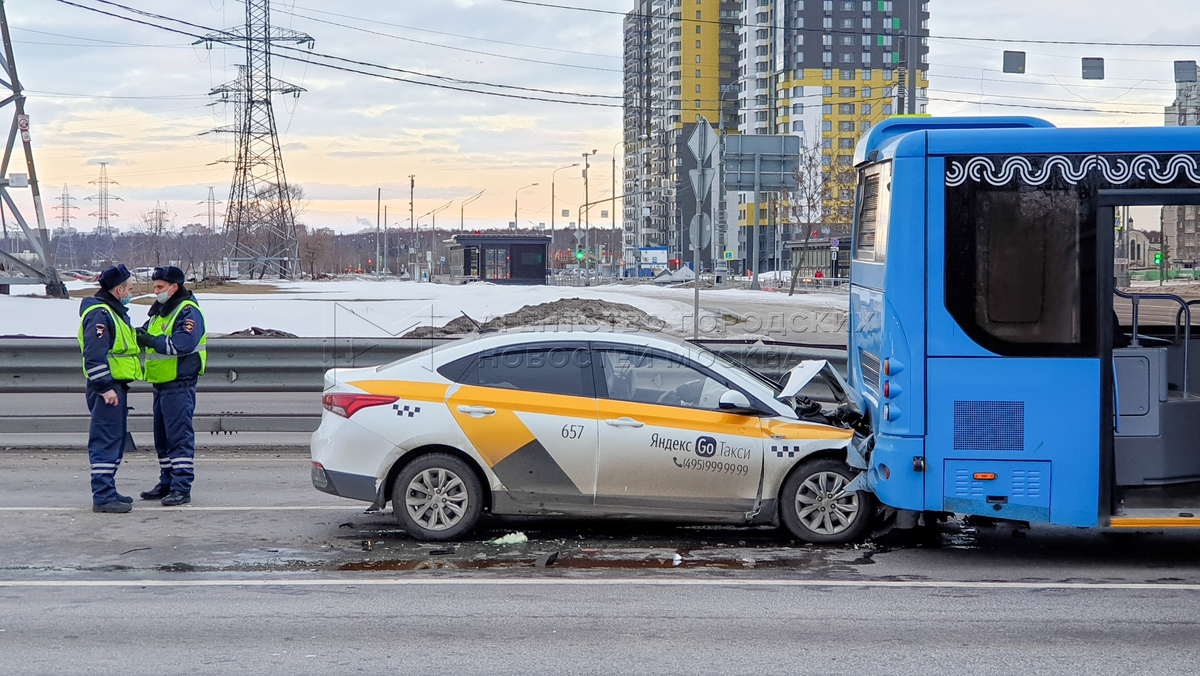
(266, 333)
(565, 313)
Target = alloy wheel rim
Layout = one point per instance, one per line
(436, 499)
(824, 506)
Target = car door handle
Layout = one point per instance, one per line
(476, 411)
(624, 421)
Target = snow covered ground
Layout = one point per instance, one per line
(369, 308)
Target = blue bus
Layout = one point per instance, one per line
(984, 338)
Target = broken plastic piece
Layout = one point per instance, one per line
(510, 539)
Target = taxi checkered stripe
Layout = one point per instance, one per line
(411, 411)
(780, 450)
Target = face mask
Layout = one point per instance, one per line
(126, 300)
(163, 297)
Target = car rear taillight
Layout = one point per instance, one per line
(347, 404)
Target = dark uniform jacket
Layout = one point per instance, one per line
(183, 337)
(98, 336)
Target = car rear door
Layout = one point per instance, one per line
(665, 445)
(530, 412)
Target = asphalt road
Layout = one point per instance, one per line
(263, 574)
(632, 627)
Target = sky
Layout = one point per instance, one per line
(102, 89)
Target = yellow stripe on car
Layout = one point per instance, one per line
(406, 389)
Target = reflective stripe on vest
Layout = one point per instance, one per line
(123, 362)
(164, 368)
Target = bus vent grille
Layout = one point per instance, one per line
(989, 425)
(870, 369)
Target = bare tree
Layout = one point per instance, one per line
(316, 250)
(806, 204)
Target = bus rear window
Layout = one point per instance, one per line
(1018, 276)
(873, 213)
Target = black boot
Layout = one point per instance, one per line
(176, 498)
(124, 498)
(112, 507)
(157, 493)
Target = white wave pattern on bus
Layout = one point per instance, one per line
(1115, 171)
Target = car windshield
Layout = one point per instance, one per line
(732, 363)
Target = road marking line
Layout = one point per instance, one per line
(193, 509)
(645, 582)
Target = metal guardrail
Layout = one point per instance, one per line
(52, 365)
(248, 364)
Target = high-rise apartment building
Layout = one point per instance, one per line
(1179, 222)
(680, 66)
(826, 71)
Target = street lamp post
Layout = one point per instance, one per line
(613, 212)
(412, 222)
(553, 208)
(516, 195)
(433, 235)
(587, 227)
(462, 208)
(378, 202)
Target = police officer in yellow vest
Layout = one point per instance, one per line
(175, 343)
(110, 361)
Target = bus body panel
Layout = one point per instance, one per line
(890, 331)
(1077, 141)
(946, 338)
(1003, 413)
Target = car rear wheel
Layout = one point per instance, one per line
(437, 497)
(815, 506)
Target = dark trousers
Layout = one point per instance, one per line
(106, 441)
(174, 438)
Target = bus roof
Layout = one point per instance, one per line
(1017, 135)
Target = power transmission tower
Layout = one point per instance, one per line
(211, 209)
(260, 224)
(14, 270)
(106, 244)
(66, 236)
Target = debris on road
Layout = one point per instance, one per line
(510, 539)
(546, 559)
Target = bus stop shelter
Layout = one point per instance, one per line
(500, 258)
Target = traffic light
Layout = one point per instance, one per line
(1158, 258)
(579, 254)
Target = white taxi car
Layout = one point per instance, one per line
(587, 424)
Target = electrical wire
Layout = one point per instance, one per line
(833, 31)
(356, 67)
(224, 36)
(450, 47)
(459, 35)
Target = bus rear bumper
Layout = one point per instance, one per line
(897, 473)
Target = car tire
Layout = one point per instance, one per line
(813, 507)
(437, 497)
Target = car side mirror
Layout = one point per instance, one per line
(732, 400)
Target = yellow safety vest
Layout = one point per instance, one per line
(164, 368)
(123, 362)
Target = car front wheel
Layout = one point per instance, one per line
(437, 497)
(815, 506)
